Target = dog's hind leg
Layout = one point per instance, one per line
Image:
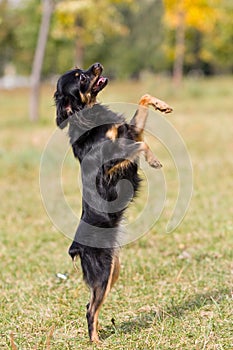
(99, 292)
(93, 309)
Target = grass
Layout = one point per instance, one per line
(175, 290)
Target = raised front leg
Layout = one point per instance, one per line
(139, 121)
(148, 100)
(150, 157)
(140, 117)
(138, 148)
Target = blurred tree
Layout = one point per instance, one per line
(140, 48)
(183, 14)
(87, 22)
(136, 42)
(28, 18)
(7, 34)
(217, 48)
(48, 6)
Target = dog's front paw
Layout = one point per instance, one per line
(155, 163)
(151, 159)
(160, 105)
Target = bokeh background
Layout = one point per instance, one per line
(175, 290)
(131, 37)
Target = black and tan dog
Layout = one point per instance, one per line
(108, 149)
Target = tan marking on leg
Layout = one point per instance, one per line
(119, 167)
(149, 156)
(139, 121)
(116, 270)
(109, 281)
(140, 117)
(112, 133)
(98, 326)
(95, 336)
(152, 160)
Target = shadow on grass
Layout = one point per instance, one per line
(147, 318)
(134, 324)
(197, 302)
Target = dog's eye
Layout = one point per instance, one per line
(83, 78)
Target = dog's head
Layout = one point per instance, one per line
(77, 89)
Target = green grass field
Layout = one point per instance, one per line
(175, 290)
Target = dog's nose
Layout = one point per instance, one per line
(98, 65)
(97, 68)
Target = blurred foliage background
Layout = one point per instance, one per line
(175, 291)
(129, 37)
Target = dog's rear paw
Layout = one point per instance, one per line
(96, 340)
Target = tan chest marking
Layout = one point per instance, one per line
(112, 133)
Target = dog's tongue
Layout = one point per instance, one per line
(100, 81)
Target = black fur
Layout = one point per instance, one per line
(96, 239)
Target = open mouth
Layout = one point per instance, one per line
(99, 84)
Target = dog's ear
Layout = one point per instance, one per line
(63, 110)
